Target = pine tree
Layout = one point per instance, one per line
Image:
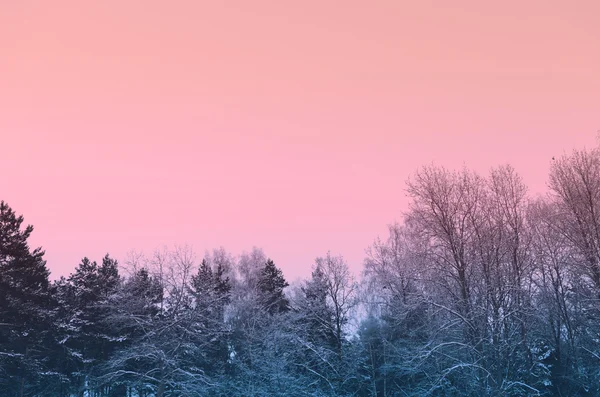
(271, 285)
(211, 295)
(89, 340)
(222, 288)
(24, 306)
(64, 360)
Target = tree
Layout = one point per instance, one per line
(168, 321)
(317, 313)
(320, 317)
(474, 245)
(341, 293)
(134, 308)
(575, 187)
(575, 182)
(270, 286)
(86, 339)
(24, 307)
(398, 326)
(211, 292)
(446, 207)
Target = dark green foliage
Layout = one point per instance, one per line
(211, 293)
(82, 339)
(24, 308)
(271, 285)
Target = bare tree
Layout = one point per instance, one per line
(575, 181)
(445, 211)
(341, 292)
(475, 265)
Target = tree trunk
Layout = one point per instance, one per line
(161, 387)
(22, 385)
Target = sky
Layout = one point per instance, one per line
(287, 125)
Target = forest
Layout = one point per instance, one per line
(481, 290)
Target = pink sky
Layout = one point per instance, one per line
(289, 125)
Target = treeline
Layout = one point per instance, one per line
(482, 290)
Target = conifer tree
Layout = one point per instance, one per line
(24, 304)
(271, 285)
(89, 340)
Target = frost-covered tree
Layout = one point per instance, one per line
(168, 336)
(211, 294)
(340, 289)
(478, 291)
(85, 339)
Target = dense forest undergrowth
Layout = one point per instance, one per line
(481, 290)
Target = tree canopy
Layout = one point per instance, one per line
(479, 290)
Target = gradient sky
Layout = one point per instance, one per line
(289, 125)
